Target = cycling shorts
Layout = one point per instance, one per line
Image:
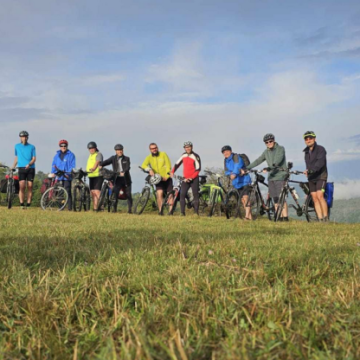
(317, 185)
(96, 182)
(165, 186)
(26, 174)
(244, 191)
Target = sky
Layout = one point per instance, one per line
(207, 71)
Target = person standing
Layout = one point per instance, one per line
(274, 155)
(159, 163)
(25, 157)
(317, 174)
(121, 165)
(92, 167)
(191, 169)
(64, 160)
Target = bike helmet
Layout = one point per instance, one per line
(188, 143)
(118, 147)
(309, 134)
(226, 147)
(23, 133)
(63, 142)
(92, 145)
(268, 137)
(202, 179)
(154, 180)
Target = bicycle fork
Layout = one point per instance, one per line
(297, 208)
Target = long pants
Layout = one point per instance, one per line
(67, 186)
(185, 186)
(120, 183)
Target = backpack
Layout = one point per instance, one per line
(45, 185)
(244, 158)
(329, 194)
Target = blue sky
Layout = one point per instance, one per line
(213, 72)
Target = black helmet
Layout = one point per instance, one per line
(92, 145)
(118, 147)
(226, 147)
(309, 134)
(23, 133)
(268, 137)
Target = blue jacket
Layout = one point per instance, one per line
(65, 165)
(234, 168)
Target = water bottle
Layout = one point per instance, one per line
(295, 194)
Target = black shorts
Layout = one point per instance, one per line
(166, 186)
(317, 185)
(96, 182)
(244, 191)
(26, 174)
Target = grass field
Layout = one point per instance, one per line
(117, 286)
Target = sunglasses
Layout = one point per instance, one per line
(154, 148)
(64, 146)
(269, 142)
(309, 138)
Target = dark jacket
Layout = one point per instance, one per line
(316, 163)
(125, 162)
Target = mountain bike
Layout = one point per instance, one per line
(144, 196)
(173, 197)
(10, 186)
(307, 208)
(256, 200)
(56, 197)
(106, 200)
(232, 202)
(81, 192)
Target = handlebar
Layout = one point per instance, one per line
(143, 170)
(8, 168)
(212, 173)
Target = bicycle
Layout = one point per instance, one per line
(81, 192)
(144, 196)
(105, 199)
(9, 188)
(256, 200)
(307, 208)
(55, 198)
(169, 206)
(232, 202)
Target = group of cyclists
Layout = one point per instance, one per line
(158, 165)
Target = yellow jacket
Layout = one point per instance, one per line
(159, 164)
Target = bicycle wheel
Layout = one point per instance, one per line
(142, 201)
(309, 211)
(214, 195)
(166, 205)
(232, 204)
(270, 209)
(10, 193)
(279, 210)
(77, 199)
(254, 203)
(104, 193)
(203, 201)
(54, 198)
(87, 199)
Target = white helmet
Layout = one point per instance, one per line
(154, 180)
(188, 143)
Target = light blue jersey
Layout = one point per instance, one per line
(25, 153)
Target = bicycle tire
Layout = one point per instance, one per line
(203, 201)
(102, 198)
(165, 206)
(10, 193)
(77, 199)
(213, 202)
(281, 204)
(232, 204)
(270, 209)
(87, 199)
(142, 201)
(54, 199)
(309, 210)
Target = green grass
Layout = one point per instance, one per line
(116, 286)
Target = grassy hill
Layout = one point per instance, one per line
(347, 211)
(118, 286)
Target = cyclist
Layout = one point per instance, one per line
(191, 169)
(233, 166)
(95, 180)
(64, 160)
(317, 174)
(159, 163)
(121, 165)
(25, 157)
(274, 155)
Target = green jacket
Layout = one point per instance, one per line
(276, 156)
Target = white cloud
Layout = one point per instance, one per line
(348, 189)
(345, 155)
